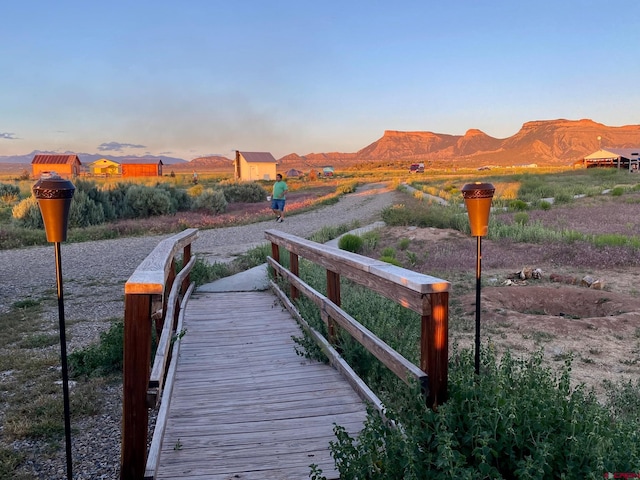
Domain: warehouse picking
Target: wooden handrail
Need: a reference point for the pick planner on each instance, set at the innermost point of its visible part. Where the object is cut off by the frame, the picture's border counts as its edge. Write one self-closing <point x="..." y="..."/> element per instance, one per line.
<point x="424" y="294"/>
<point x="163" y="351"/>
<point x="147" y="292"/>
<point x="153" y="458"/>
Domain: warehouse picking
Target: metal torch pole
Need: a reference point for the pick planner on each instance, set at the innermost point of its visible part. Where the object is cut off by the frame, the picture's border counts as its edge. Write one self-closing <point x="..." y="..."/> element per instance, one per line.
<point x="63" y="358"/>
<point x="478" y="260"/>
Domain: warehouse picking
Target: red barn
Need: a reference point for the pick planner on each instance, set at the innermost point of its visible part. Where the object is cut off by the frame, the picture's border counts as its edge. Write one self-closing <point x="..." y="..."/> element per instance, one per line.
<point x="141" y="167"/>
<point x="64" y="165"/>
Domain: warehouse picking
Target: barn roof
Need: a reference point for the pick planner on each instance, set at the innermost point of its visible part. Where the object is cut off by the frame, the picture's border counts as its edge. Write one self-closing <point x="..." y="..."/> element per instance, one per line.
<point x="141" y="161"/>
<point x="627" y="153"/>
<point x="104" y="160"/>
<point x="258" y="157"/>
<point x="55" y="159"/>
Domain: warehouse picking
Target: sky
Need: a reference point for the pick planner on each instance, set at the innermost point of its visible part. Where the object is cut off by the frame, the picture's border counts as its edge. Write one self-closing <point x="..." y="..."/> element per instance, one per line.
<point x="189" y="78"/>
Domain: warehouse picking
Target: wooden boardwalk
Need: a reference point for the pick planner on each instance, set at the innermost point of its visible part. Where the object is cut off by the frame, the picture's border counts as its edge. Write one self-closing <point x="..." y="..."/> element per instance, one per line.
<point x="244" y="405"/>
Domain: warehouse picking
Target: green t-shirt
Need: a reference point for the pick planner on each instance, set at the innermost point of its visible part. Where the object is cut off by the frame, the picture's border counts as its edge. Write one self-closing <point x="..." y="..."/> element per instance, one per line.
<point x="278" y="190"/>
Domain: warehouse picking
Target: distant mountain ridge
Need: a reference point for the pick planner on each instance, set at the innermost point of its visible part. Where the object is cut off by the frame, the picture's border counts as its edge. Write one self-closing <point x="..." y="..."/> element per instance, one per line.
<point x="542" y="142"/>
<point x="85" y="158"/>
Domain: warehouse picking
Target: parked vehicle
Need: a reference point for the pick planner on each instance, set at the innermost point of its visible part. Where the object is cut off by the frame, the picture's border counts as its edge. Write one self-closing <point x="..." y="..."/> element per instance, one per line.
<point x="416" y="168"/>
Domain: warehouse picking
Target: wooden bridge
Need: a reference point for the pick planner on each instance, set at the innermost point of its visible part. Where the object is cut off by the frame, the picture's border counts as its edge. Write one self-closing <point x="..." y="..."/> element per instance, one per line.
<point x="233" y="399"/>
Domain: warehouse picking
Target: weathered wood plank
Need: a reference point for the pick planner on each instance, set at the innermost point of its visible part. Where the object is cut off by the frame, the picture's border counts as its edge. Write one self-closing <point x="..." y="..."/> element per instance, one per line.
<point x="244" y="404"/>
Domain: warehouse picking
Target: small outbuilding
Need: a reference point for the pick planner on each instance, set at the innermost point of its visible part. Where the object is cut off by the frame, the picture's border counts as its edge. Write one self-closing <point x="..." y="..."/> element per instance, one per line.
<point x="64" y="165"/>
<point x="252" y="166"/>
<point x="626" y="158"/>
<point x="293" y="173"/>
<point x="105" y="168"/>
<point x="141" y="167"/>
<point x="328" y="171"/>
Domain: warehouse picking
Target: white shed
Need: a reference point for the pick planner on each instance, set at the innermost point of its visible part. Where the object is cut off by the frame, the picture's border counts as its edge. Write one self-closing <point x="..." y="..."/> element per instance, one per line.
<point x="252" y="166"/>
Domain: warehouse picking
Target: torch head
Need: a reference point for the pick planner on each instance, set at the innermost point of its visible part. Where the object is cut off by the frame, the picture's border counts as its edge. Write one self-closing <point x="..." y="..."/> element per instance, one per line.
<point x="54" y="196"/>
<point x="477" y="198"/>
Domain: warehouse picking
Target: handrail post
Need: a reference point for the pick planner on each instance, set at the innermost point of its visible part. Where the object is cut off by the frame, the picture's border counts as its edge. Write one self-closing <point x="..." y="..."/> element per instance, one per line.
<point x="186" y="256"/>
<point x="169" y="284"/>
<point x="434" y="347"/>
<point x="136" y="368"/>
<point x="275" y="254"/>
<point x="333" y="294"/>
<point x="295" y="269"/>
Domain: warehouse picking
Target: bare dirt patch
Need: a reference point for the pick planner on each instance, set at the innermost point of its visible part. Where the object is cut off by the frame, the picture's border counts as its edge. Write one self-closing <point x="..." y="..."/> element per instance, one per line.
<point x="599" y="329"/>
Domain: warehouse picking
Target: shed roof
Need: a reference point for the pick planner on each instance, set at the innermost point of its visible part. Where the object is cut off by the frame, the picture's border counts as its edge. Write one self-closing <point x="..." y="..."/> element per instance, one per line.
<point x="258" y="157"/>
<point x="55" y="159"/>
<point x="628" y="153"/>
<point x="104" y="160"/>
<point x="141" y="161"/>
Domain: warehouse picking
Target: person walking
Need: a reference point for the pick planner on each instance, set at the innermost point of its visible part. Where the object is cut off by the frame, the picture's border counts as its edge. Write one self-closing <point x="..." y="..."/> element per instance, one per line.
<point x="278" y="198"/>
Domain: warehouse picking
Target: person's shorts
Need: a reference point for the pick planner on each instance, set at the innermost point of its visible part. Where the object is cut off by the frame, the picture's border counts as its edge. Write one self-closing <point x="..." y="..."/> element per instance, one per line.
<point x="277" y="204"/>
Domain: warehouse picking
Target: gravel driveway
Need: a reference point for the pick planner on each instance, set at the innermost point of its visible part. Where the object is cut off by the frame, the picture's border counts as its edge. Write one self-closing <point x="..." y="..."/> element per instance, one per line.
<point x="94" y="276"/>
<point x="94" y="273"/>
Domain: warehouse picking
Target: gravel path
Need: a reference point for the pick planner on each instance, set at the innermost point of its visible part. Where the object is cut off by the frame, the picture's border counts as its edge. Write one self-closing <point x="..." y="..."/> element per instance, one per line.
<point x="94" y="275"/>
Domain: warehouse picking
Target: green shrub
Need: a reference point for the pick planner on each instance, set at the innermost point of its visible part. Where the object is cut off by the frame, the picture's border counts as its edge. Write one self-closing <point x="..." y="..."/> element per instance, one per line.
<point x="143" y="202"/>
<point x="210" y="201"/>
<point x="404" y="243"/>
<point x="180" y="199"/>
<point x="245" y="192"/>
<point x="563" y="198"/>
<point x="116" y="197"/>
<point x="84" y="211"/>
<point x="5" y="213"/>
<point x="533" y="188"/>
<point x="617" y="191"/>
<point x="195" y="191"/>
<point x="102" y="359"/>
<point x="98" y="196"/>
<point x="521" y="218"/>
<point x="204" y="272"/>
<point x="370" y="240"/>
<point x="349" y="187"/>
<point x="254" y="257"/>
<point x="433" y="215"/>
<point x="9" y="193"/>
<point x="330" y="232"/>
<point x="388" y="252"/>
<point x="514" y="420"/>
<point x="544" y="205"/>
<point x="350" y="243"/>
<point x="623" y="399"/>
<point x="518" y="205"/>
<point x="27" y="214"/>
<point x="391" y="260"/>
<point x="412" y="257"/>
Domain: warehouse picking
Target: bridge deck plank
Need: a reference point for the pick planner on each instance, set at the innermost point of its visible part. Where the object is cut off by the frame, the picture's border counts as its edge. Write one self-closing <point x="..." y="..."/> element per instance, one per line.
<point x="244" y="404"/>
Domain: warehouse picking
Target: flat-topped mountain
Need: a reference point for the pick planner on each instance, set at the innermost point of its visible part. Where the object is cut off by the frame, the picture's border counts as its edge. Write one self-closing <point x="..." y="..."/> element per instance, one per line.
<point x="544" y="143"/>
<point x="548" y="142"/>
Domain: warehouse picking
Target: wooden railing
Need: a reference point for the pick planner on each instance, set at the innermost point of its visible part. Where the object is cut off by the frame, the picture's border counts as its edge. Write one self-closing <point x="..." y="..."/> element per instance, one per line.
<point x="154" y="297"/>
<point x="426" y="295"/>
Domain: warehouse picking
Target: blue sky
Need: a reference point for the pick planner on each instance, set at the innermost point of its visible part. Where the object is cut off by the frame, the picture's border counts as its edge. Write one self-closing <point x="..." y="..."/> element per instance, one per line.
<point x="197" y="77"/>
